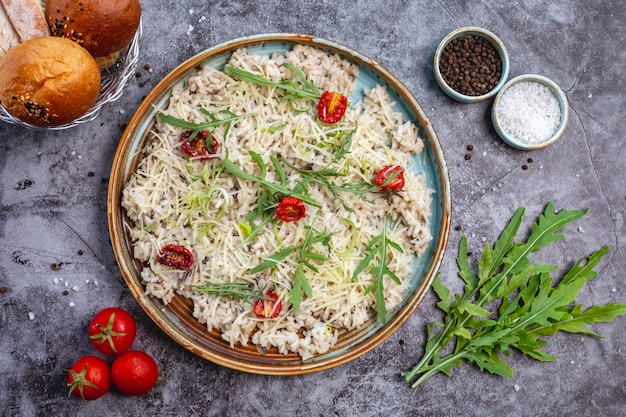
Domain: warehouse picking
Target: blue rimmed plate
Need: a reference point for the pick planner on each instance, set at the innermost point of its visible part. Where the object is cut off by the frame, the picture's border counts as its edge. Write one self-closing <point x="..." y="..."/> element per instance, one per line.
<point x="176" y="318"/>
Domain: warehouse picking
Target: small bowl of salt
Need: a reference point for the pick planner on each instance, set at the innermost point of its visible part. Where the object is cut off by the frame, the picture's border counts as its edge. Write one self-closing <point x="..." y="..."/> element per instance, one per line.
<point x="530" y="112"/>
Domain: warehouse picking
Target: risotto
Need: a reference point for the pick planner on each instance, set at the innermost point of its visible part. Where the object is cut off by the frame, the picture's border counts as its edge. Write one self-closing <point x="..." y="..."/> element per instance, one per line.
<point x="346" y="261"/>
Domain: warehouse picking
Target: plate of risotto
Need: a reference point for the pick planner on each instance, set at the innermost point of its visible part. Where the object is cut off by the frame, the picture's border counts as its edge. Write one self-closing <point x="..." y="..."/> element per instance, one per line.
<point x="279" y="204"/>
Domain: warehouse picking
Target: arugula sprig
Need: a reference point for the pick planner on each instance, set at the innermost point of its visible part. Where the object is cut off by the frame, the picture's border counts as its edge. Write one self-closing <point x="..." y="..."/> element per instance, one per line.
<point x="322" y="176"/>
<point x="306" y="255"/>
<point x="268" y="195"/>
<point x="232" y="290"/>
<point x="510" y="302"/>
<point x="293" y="91"/>
<point x="212" y="123"/>
<point x="377" y="253"/>
<point x="299" y="191"/>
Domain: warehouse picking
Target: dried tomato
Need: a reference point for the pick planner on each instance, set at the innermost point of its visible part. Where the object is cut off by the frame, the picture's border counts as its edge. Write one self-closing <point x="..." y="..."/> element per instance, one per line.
<point x="290" y="209"/>
<point x="268" y="308"/>
<point x="176" y="256"/>
<point x="332" y="107"/>
<point x="390" y="177"/>
<point x="198" y="147"/>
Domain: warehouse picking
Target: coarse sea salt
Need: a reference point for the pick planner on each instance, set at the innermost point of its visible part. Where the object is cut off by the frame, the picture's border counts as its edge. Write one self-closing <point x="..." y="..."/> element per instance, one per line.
<point x="529" y="112"/>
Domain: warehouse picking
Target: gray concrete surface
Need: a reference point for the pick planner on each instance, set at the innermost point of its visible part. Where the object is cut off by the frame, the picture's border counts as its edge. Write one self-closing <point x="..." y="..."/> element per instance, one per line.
<point x="53" y="194"/>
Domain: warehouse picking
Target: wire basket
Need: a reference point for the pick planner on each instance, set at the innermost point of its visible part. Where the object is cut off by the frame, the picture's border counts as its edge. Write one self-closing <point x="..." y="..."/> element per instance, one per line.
<point x="113" y="81"/>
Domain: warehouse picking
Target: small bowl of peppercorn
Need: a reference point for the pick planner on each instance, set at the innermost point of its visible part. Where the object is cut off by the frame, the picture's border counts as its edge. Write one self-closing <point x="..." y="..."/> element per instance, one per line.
<point x="471" y="64"/>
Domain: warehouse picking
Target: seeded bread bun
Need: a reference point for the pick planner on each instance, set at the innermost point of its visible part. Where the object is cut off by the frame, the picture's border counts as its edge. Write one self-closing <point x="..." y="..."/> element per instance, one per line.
<point x="100" y="26"/>
<point x="48" y="81"/>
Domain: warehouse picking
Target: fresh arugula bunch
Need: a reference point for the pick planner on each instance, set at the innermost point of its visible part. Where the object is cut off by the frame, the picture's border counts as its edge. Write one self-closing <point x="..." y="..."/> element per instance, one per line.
<point x="510" y="302"/>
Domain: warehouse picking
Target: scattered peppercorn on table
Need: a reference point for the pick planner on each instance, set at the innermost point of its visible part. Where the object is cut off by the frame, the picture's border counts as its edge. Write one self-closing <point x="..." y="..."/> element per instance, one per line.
<point x="58" y="269"/>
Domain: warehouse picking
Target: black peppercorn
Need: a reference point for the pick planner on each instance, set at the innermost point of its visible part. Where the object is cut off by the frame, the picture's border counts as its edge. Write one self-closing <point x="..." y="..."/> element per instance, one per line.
<point x="470" y="65"/>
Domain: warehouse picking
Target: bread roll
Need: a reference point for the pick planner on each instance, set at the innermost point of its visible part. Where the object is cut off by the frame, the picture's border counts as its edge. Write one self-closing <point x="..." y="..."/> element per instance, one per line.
<point x="108" y="61"/>
<point x="48" y="81"/>
<point x="100" y="26"/>
<point x="8" y="35"/>
<point x="27" y="18"/>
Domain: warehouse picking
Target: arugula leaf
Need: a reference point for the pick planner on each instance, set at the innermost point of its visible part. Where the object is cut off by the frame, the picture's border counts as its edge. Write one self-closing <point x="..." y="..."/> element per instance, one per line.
<point x="213" y="122"/>
<point x="300" y="283"/>
<point x="281" y="188"/>
<point x="308" y="92"/>
<point x="230" y="290"/>
<point x="510" y="302"/>
<point x="377" y="250"/>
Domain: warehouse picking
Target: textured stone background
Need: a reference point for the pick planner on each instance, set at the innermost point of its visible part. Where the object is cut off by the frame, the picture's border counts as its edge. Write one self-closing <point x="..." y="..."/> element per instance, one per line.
<point x="51" y="208"/>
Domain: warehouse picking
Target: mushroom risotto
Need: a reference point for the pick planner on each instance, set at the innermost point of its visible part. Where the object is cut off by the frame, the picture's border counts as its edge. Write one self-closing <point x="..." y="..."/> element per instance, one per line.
<point x="283" y="229"/>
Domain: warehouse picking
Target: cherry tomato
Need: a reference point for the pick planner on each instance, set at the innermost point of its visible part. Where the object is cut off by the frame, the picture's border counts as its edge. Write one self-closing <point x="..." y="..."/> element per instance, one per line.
<point x="134" y="372"/>
<point x="89" y="378"/>
<point x="390" y="178"/>
<point x="198" y="146"/>
<point x="268" y="308"/>
<point x="331" y="107"/>
<point x="112" y="330"/>
<point x="176" y="256"/>
<point x="290" y="209"/>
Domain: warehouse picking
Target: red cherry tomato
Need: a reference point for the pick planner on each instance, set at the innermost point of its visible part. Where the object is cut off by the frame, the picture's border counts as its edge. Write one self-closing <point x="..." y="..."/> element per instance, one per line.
<point x="89" y="378"/>
<point x="112" y="330"/>
<point x="176" y="256"/>
<point x="290" y="209"/>
<point x="198" y="146"/>
<point x="134" y="373"/>
<point x="331" y="107"/>
<point x="268" y="308"/>
<point x="390" y="178"/>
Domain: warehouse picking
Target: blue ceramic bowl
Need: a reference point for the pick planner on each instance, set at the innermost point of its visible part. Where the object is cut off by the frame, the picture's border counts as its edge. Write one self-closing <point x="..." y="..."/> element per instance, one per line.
<point x="558" y="94"/>
<point x="471" y="31"/>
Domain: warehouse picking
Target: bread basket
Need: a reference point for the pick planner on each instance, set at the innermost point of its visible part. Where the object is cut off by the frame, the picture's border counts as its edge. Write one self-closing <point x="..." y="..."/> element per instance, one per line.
<point x="114" y="79"/>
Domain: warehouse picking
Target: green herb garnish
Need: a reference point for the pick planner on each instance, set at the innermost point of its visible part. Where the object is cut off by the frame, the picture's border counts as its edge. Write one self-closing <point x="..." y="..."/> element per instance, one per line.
<point x="282" y="189"/>
<point x="308" y="92"/>
<point x="267" y="196"/>
<point x="151" y="227"/>
<point x="210" y="125"/>
<point x="510" y="302"/>
<point x="306" y="256"/>
<point x="321" y="176"/>
<point x="377" y="252"/>
<point x="238" y="291"/>
<point x="271" y="129"/>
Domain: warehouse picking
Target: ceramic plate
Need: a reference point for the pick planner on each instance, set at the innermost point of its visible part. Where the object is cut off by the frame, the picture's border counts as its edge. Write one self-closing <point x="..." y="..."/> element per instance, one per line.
<point x="176" y="318"/>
